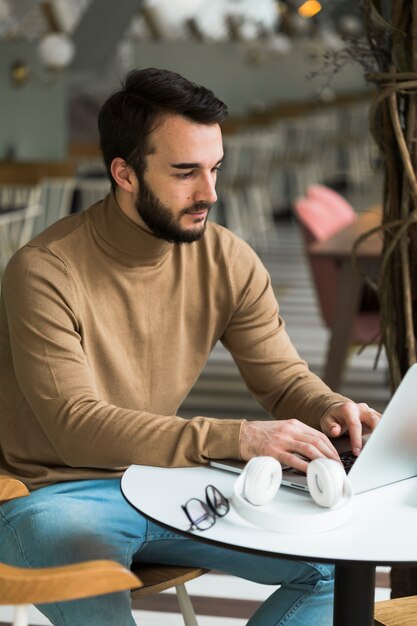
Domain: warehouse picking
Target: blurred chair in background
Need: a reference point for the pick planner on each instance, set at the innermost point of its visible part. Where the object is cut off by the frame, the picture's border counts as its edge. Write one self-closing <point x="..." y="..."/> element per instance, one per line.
<point x="16" y="229"/>
<point x="245" y="203"/>
<point x="55" y="195"/>
<point x="89" y="191"/>
<point x="26" y="210"/>
<point x="321" y="214"/>
<point x="15" y="196"/>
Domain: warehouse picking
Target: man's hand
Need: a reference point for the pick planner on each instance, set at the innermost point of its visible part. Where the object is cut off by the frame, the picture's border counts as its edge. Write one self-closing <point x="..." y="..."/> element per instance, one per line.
<point x="355" y="419"/>
<point x="289" y="441"/>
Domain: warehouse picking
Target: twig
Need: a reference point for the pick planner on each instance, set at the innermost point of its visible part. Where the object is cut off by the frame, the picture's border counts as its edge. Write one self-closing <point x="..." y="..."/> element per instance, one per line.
<point x="405" y="155"/>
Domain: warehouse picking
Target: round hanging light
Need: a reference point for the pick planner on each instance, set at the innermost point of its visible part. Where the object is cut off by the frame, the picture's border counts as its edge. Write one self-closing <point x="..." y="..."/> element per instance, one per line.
<point x="56" y="51"/>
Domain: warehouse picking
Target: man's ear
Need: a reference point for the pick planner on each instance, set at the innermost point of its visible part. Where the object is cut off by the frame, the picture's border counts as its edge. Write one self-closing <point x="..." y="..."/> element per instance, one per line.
<point x="123" y="175"/>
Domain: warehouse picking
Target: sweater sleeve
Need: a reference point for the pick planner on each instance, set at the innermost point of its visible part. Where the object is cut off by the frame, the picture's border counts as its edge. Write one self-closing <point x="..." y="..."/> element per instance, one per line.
<point x="268" y="361"/>
<point x="54" y="376"/>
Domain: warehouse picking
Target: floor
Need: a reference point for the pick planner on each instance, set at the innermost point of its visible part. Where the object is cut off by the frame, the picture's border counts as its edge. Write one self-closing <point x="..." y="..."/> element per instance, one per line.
<point x="220" y="392"/>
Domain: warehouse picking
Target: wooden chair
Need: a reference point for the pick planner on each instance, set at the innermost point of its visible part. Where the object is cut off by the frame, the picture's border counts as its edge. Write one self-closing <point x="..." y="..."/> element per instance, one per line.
<point x="157" y="578"/>
<point x="149" y="579"/>
<point x="398" y="612"/>
<point x="22" y="586"/>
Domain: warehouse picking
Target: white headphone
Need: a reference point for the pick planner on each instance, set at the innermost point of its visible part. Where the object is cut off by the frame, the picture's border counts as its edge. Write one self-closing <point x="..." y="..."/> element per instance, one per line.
<point x="254" y="497"/>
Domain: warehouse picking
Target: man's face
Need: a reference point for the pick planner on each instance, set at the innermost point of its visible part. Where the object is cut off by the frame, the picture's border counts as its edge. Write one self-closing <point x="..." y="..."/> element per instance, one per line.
<point x="177" y="189"/>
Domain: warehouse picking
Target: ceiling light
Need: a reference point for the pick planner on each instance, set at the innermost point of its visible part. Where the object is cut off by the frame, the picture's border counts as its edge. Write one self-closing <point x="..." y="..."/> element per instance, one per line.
<point x="309" y="8"/>
<point x="56" y="51"/>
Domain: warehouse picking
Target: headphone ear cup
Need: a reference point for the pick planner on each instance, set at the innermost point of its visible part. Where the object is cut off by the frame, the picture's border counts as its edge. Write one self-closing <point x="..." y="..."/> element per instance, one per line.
<point x="326" y="479"/>
<point x="261" y="479"/>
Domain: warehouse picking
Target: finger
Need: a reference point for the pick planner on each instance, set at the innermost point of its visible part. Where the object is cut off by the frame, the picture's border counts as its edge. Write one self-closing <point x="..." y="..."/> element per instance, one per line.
<point x="355" y="433"/>
<point x="369" y="417"/>
<point x="324" y="446"/>
<point x="332" y="427"/>
<point x="292" y="460"/>
<point x="312" y="435"/>
<point x="315" y="449"/>
<point x="354" y="426"/>
<point x="347" y="415"/>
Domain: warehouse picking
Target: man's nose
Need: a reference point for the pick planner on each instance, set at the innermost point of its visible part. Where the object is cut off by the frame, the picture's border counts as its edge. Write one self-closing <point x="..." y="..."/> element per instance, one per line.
<point x="206" y="191"/>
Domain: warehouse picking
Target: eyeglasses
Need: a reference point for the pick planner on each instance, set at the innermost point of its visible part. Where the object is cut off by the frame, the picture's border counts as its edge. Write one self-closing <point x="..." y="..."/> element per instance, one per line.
<point x="202" y="515"/>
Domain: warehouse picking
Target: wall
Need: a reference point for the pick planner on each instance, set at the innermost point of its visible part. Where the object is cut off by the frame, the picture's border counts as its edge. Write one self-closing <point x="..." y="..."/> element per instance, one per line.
<point x="33" y="125"/>
<point x="33" y="118"/>
<point x="226" y="69"/>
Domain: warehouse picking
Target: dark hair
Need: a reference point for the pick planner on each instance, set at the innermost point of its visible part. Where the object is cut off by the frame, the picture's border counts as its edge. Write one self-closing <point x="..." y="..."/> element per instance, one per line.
<point x="129" y="115"/>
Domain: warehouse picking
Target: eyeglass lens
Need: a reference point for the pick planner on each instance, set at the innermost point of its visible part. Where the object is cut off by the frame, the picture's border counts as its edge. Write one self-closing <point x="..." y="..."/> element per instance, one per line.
<point x="216" y="500"/>
<point x="202" y="515"/>
<point x="199" y="514"/>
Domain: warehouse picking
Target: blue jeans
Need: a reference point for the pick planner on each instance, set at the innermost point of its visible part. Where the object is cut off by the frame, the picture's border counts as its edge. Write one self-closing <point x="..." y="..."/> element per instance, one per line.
<point x="90" y="519"/>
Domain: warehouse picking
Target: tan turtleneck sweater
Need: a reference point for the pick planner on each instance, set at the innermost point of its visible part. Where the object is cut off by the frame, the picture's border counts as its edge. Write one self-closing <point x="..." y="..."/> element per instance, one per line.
<point x="104" y="329"/>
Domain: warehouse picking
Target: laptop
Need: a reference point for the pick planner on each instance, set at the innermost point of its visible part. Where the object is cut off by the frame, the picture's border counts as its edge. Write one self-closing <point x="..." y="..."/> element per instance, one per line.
<point x="389" y="454"/>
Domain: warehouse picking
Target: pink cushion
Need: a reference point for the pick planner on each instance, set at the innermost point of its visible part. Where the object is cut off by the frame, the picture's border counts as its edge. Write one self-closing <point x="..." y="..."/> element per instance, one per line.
<point x="332" y="199"/>
<point x="319" y="220"/>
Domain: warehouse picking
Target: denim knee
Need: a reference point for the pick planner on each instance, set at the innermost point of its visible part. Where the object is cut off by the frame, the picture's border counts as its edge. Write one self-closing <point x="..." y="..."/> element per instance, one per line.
<point x="68" y="523"/>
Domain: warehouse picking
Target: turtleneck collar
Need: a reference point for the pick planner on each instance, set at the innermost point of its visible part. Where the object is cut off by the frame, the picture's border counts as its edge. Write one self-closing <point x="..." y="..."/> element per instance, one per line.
<point x="128" y="240"/>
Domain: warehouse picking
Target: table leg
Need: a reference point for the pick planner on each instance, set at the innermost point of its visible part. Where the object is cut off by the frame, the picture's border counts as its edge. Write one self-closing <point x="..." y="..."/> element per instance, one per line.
<point x="347" y="306"/>
<point x="354" y="595"/>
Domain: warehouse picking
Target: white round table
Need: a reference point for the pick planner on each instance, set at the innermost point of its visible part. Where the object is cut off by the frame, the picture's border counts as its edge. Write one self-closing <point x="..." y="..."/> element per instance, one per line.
<point x="382" y="529"/>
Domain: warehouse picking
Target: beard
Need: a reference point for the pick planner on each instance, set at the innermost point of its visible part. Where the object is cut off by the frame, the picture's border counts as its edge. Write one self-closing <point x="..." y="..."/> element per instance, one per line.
<point x="161" y="220"/>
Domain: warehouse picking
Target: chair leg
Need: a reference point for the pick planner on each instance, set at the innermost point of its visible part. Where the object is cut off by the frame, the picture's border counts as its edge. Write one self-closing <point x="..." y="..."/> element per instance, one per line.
<point x="21" y="615"/>
<point x="186" y="606"/>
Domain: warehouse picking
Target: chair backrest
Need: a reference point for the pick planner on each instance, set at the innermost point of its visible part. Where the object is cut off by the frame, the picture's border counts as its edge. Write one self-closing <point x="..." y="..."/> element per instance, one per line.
<point x="15" y="196"/>
<point x="332" y="198"/>
<point x="322" y="214"/>
<point x="16" y="229"/>
<point x="55" y="195"/>
<point x="91" y="190"/>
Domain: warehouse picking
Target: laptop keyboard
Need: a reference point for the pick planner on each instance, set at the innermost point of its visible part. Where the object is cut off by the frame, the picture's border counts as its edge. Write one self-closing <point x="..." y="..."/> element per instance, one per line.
<point x="348" y="459"/>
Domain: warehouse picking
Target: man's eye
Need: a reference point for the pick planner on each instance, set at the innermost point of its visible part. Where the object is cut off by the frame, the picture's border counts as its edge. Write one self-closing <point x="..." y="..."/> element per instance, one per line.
<point x="218" y="168"/>
<point x="185" y="175"/>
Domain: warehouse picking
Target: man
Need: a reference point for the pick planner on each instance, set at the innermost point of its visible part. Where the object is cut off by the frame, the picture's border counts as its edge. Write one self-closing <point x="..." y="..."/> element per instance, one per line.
<point x="107" y="319"/>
